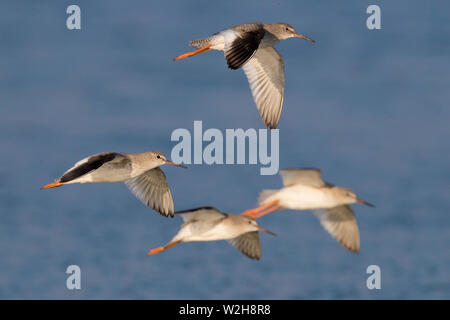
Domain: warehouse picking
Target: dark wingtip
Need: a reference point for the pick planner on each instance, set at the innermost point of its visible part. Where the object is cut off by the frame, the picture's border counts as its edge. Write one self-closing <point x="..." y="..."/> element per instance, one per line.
<point x="197" y="209"/>
<point x="232" y="67"/>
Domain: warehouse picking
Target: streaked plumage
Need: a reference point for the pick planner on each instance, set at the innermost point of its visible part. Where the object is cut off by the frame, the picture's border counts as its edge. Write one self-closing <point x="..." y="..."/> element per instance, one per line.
<point x="250" y="46"/>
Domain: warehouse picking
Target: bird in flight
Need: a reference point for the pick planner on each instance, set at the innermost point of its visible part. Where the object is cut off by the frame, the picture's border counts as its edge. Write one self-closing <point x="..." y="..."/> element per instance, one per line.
<point x="250" y="46"/>
<point x="209" y="224"/>
<point x="304" y="189"/>
<point x="139" y="171"/>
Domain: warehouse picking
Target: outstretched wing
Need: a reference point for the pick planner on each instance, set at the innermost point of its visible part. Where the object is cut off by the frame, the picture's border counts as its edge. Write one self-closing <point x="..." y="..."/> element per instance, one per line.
<point x="248" y="244"/>
<point x="265" y="74"/>
<point x="152" y="189"/>
<point x="88" y="165"/>
<point x="241" y="45"/>
<point x="203" y="213"/>
<point x="308" y="177"/>
<point x="340" y="222"/>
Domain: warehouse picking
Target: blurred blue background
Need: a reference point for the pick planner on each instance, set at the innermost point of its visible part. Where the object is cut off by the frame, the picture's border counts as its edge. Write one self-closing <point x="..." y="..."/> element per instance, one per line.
<point x="370" y="108"/>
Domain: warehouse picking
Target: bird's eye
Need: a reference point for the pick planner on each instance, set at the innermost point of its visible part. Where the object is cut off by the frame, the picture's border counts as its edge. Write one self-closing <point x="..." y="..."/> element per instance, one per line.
<point x="287" y="29"/>
<point x="158" y="156"/>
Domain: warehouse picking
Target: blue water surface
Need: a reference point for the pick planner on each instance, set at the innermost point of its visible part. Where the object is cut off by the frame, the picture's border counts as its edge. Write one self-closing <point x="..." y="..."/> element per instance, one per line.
<point x="368" y="107"/>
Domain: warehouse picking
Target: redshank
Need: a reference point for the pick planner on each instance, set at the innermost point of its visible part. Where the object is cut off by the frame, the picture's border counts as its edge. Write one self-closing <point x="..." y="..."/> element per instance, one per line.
<point x="209" y="224"/>
<point x="139" y="171"/>
<point x="250" y="46"/>
<point x="304" y="189"/>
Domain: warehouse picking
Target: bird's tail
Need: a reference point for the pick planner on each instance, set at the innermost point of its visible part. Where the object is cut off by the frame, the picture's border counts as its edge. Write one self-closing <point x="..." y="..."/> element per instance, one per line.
<point x="199" y="43"/>
<point x="266" y="196"/>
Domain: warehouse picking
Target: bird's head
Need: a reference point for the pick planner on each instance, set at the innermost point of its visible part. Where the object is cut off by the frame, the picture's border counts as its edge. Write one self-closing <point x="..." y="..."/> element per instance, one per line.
<point x="285" y="31"/>
<point x="348" y="196"/>
<point x="156" y="159"/>
<point x="251" y="225"/>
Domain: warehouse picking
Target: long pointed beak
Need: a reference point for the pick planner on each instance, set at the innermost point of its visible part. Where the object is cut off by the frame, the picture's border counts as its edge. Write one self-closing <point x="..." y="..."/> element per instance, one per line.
<point x="175" y="164"/>
<point x="298" y="35"/>
<point x="266" y="231"/>
<point x="365" y="202"/>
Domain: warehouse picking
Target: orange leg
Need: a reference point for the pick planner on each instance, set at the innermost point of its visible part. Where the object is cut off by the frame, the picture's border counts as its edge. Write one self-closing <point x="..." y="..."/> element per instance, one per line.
<point x="252" y="212"/>
<point x="161" y="249"/>
<point x="258" y="215"/>
<point x="193" y="53"/>
<point x="52" y="185"/>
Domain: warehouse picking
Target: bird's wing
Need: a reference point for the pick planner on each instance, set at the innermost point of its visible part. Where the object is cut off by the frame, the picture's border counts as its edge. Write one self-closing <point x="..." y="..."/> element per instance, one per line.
<point x="265" y="74"/>
<point x="89" y="164"/>
<point x="308" y="177"/>
<point x="152" y="189"/>
<point x="198" y="221"/>
<point x="248" y="244"/>
<point x="241" y="45"/>
<point x="340" y="222"/>
<point x="201" y="213"/>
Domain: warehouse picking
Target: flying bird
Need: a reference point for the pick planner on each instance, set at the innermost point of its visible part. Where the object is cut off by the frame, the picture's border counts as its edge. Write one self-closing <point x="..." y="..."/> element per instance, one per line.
<point x="251" y="46"/>
<point x="304" y="189"/>
<point x="139" y="171"/>
<point x="209" y="224"/>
